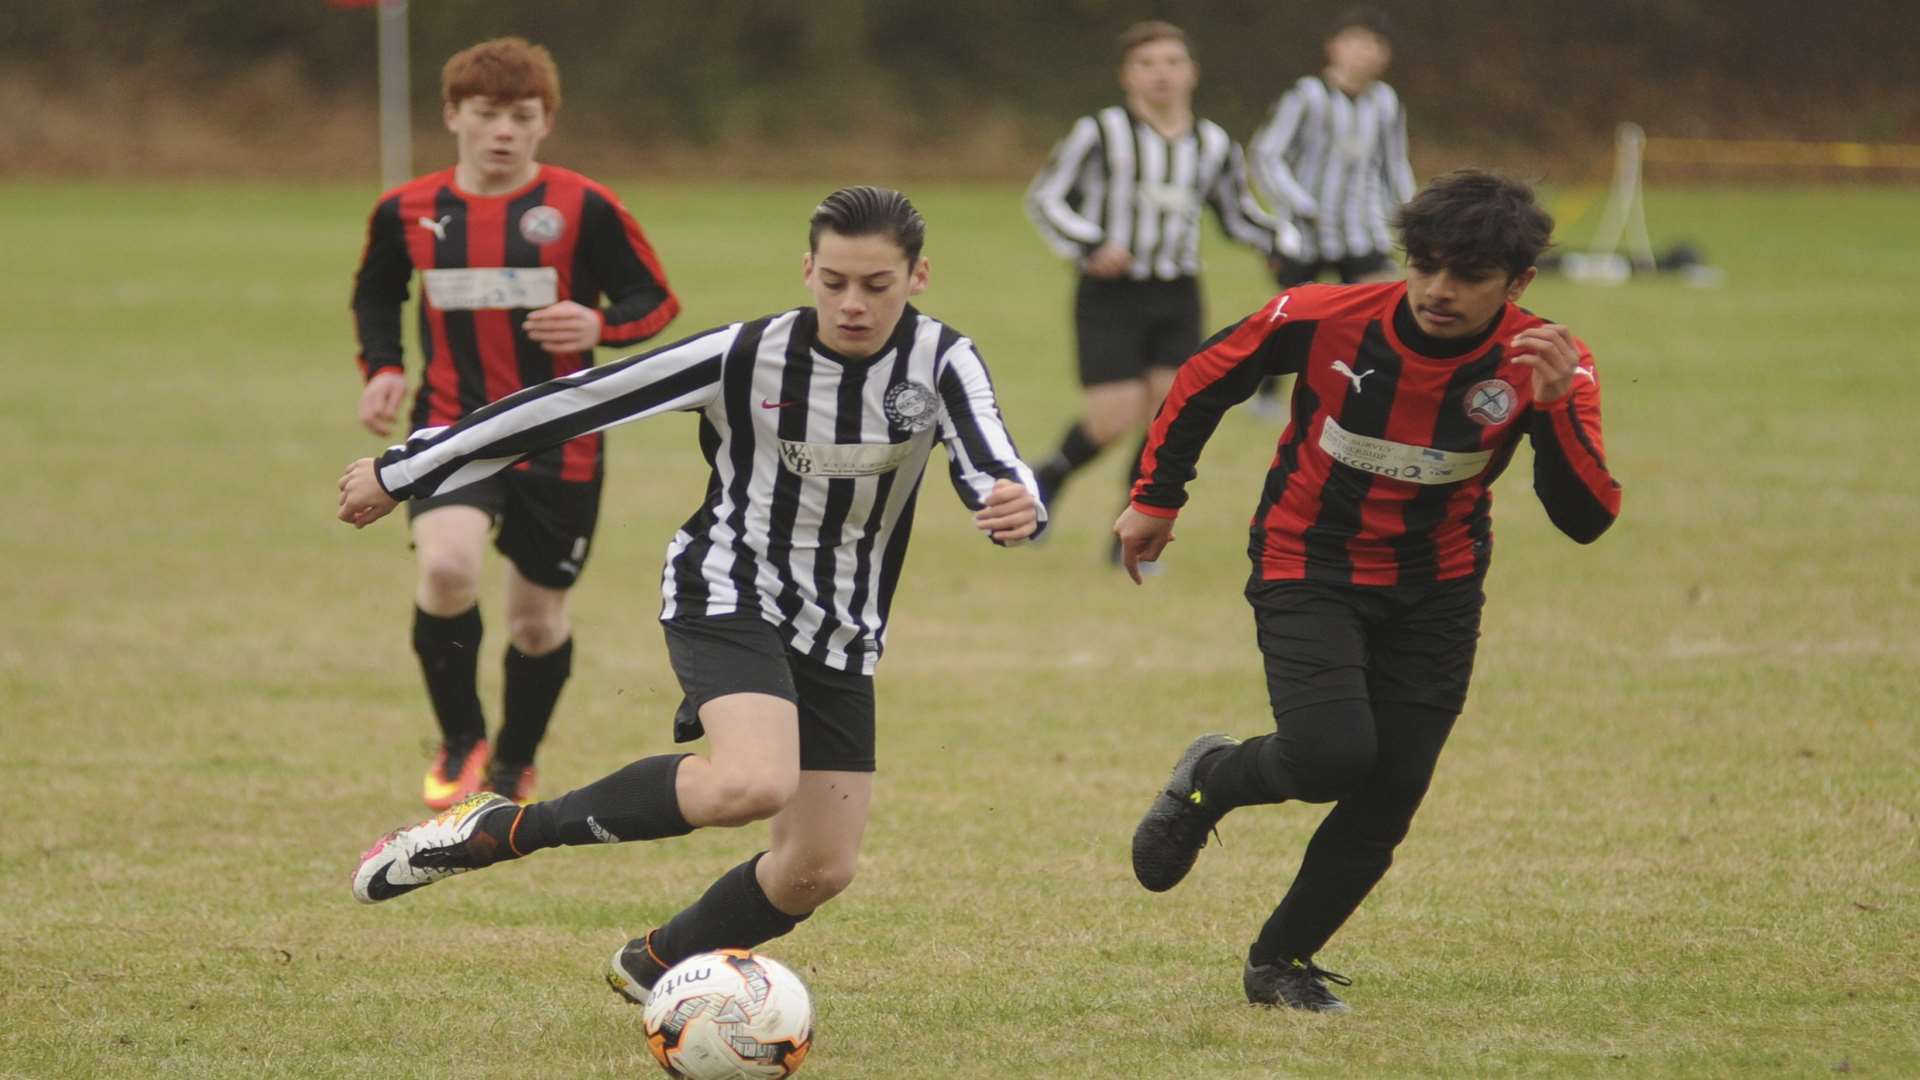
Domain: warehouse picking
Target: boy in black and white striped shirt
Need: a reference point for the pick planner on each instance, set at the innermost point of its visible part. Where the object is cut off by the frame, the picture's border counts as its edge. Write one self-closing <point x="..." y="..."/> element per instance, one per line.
<point x="1122" y="197"/>
<point x="1333" y="156"/>
<point x="817" y="423"/>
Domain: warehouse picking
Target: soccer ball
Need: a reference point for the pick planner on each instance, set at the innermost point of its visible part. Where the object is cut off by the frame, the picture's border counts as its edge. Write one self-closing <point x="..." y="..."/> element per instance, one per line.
<point x="730" y="1013"/>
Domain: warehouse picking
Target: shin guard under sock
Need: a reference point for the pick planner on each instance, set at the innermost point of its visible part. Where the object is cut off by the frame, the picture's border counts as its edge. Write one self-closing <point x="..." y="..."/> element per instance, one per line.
<point x="636" y="803"/>
<point x="733" y="914"/>
<point x="532" y="689"/>
<point x="449" y="651"/>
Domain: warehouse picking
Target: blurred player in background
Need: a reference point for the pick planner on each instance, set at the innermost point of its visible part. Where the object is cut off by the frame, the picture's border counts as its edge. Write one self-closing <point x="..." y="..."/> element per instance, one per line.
<point x="1371" y="540"/>
<point x="514" y="257"/>
<point x="1122" y="197"/>
<point x="1333" y="157"/>
<point x="817" y="423"/>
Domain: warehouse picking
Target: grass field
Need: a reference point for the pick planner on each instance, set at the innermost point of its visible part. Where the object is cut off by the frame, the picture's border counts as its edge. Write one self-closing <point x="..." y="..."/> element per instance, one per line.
<point x="1675" y="833"/>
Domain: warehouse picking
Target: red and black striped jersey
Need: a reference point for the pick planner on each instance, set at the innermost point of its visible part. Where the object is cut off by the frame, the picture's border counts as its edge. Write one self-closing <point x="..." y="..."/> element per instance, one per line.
<point x="485" y="261"/>
<point x="1383" y="474"/>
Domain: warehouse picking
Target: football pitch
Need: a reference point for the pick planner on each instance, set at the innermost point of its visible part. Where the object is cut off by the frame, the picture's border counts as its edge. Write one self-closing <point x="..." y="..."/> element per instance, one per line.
<point x="1675" y="832"/>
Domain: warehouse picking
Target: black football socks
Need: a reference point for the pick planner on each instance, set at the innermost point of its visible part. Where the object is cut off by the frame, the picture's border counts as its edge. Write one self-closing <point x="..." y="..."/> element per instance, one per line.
<point x="638" y="802"/>
<point x="1076" y="449"/>
<point x="533" y="686"/>
<point x="449" y="651"/>
<point x="734" y="913"/>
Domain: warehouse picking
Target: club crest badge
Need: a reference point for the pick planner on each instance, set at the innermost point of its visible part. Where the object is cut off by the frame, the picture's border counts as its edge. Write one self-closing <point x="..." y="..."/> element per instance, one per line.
<point x="1490" y="402"/>
<point x="911" y="406"/>
<point x="542" y="225"/>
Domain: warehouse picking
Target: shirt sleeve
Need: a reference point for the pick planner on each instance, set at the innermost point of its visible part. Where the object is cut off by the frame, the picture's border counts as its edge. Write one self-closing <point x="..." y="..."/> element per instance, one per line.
<point x="1072" y="175"/>
<point x="641" y="303"/>
<point x="1570" y="473"/>
<point x="685" y="375"/>
<point x="379" y="288"/>
<point x="1225" y="372"/>
<point x="1240" y="214"/>
<point x="1396" y="172"/>
<point x="980" y="452"/>
<point x="1270" y="148"/>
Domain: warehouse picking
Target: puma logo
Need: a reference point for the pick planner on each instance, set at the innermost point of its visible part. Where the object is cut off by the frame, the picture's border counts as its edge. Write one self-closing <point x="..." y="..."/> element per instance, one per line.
<point x="1279" y="310"/>
<point x="1587" y="371"/>
<point x="1341" y="367"/>
<point x="437" y="228"/>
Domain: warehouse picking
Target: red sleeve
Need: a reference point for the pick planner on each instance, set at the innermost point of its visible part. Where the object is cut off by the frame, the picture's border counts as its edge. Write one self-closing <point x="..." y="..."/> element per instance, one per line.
<point x="1570" y="472"/>
<point x="641" y="303"/>
<point x="1225" y="372"/>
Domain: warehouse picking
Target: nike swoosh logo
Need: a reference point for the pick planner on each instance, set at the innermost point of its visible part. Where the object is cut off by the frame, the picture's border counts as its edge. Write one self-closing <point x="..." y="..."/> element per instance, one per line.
<point x="768" y="403"/>
<point x="379" y="888"/>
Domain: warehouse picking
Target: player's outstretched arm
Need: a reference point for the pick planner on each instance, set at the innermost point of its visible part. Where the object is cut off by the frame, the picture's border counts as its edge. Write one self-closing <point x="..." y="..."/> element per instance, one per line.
<point x="362" y="500"/>
<point x="1142" y="538"/>
<point x="1011" y="513"/>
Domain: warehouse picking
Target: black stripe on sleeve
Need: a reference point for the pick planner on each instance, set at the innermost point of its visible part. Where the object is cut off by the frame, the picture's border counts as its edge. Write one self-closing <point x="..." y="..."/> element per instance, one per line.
<point x="1570" y="505"/>
<point x="380" y="288"/>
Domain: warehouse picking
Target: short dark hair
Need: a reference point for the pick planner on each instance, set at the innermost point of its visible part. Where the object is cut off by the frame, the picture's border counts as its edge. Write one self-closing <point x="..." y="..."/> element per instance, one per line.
<point x="1150" y="30"/>
<point x="1370" y="19"/>
<point x="866" y="211"/>
<point x="1474" y="221"/>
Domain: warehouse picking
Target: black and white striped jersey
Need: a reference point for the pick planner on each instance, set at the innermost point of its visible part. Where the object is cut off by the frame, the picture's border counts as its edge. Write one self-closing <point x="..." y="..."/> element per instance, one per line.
<point x="1114" y="179"/>
<point x="816" y="458"/>
<point x="1337" y="164"/>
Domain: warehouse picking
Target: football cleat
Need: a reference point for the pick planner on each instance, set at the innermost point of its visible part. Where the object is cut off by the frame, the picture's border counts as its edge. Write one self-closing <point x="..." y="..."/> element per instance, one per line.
<point x="634" y="969"/>
<point x="1295" y="985"/>
<point x="416" y="856"/>
<point x="513" y="781"/>
<point x="455" y="774"/>
<point x="1174" y="829"/>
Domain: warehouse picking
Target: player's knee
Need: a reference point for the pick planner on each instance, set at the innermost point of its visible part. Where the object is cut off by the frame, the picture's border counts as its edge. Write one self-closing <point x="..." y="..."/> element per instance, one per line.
<point x="537" y="633"/>
<point x="449" y="582"/>
<point x="814" y="882"/>
<point x="746" y="795"/>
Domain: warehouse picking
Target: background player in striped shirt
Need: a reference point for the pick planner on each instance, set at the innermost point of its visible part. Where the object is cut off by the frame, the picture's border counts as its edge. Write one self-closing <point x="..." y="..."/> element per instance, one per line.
<point x="1371" y="540"/>
<point x="1333" y="157"/>
<point x="1122" y="197"/>
<point x="514" y="256"/>
<point x="817" y="423"/>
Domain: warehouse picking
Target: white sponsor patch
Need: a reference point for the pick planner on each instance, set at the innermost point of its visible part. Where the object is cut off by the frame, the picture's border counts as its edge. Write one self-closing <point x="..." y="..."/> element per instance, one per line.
<point x="1400" y="461"/>
<point x="844" y="459"/>
<point x="492" y="288"/>
<point x="1168" y="198"/>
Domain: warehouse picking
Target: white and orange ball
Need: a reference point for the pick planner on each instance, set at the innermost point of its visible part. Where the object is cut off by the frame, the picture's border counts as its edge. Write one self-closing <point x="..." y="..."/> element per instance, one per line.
<point x="730" y="1013"/>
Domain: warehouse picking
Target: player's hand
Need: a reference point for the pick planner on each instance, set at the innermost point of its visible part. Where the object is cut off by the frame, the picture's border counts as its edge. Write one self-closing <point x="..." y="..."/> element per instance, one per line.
<point x="564" y="327"/>
<point x="1109" y="261"/>
<point x="362" y="500"/>
<point x="1549" y="350"/>
<point x="1142" y="538"/>
<point x="380" y="401"/>
<point x="1011" y="512"/>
